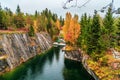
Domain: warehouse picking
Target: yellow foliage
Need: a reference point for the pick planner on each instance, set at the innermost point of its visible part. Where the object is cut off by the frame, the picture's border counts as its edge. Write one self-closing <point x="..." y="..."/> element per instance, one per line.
<point x="35" y="25"/>
<point x="71" y="29"/>
<point x="58" y="24"/>
<point x="104" y="72"/>
<point x="68" y="48"/>
<point x="66" y="25"/>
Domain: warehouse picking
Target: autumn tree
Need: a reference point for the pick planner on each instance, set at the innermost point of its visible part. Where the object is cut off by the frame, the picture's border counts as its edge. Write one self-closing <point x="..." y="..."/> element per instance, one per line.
<point x="3" y="19"/>
<point x="55" y="27"/>
<point x="19" y="20"/>
<point x="71" y="29"/>
<point x="47" y="21"/>
<point x="58" y="24"/>
<point x="66" y="26"/>
<point x="9" y="17"/>
<point x="6" y="18"/>
<point x="42" y="23"/>
<point x="74" y="29"/>
<point x="28" y="20"/>
<point x="35" y="25"/>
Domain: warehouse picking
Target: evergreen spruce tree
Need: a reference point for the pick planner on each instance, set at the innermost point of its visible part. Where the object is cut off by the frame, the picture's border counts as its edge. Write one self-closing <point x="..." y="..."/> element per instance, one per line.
<point x="31" y="31"/>
<point x="94" y="32"/>
<point x="118" y="33"/>
<point x="109" y="29"/>
<point x="18" y="10"/>
<point x="0" y="7"/>
<point x="83" y="38"/>
<point x="36" y="13"/>
<point x="61" y="21"/>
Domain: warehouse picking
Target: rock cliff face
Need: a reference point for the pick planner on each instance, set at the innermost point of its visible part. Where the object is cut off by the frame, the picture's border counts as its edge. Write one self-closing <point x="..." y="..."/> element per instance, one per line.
<point x="18" y="48"/>
<point x="74" y="55"/>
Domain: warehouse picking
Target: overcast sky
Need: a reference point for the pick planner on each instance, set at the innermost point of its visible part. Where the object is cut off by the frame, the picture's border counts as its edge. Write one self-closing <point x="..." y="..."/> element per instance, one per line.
<point x="29" y="6"/>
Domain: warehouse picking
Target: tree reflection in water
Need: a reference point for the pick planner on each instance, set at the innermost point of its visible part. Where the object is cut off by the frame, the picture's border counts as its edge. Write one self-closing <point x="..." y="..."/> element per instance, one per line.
<point x="75" y="71"/>
<point x="48" y="66"/>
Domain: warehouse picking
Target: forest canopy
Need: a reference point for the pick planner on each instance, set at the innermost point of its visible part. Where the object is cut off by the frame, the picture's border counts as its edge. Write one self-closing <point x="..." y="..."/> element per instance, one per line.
<point x="93" y="34"/>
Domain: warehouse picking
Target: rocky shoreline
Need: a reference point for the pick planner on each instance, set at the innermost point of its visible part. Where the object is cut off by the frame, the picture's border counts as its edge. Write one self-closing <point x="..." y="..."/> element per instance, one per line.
<point x="17" y="48"/>
<point x="77" y="55"/>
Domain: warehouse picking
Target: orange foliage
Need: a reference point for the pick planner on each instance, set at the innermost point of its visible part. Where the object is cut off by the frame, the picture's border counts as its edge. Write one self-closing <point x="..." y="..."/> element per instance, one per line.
<point x="71" y="28"/>
<point x="58" y="24"/>
<point x="66" y="25"/>
<point x="35" y="25"/>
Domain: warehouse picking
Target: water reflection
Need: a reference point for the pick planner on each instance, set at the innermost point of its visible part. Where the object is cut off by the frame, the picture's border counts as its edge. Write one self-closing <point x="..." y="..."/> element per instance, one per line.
<point x="57" y="53"/>
<point x="49" y="66"/>
<point x="75" y="70"/>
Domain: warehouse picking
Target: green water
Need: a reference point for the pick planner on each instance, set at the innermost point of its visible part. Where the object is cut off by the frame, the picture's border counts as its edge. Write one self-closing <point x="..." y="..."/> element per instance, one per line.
<point x="48" y="66"/>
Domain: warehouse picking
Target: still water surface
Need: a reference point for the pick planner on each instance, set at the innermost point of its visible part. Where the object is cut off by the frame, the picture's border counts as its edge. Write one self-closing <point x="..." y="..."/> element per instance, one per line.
<point x="49" y="66"/>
